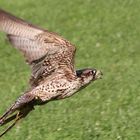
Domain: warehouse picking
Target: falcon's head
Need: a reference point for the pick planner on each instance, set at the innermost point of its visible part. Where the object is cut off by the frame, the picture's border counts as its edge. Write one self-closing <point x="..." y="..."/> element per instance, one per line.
<point x="88" y="75"/>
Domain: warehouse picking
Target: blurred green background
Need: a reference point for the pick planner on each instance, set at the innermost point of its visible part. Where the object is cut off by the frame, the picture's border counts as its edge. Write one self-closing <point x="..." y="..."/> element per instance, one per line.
<point x="107" y="36"/>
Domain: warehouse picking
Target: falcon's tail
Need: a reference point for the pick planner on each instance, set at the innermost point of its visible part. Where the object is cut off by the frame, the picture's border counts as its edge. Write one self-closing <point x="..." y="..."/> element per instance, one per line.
<point x="5" y="119"/>
<point x="16" y="117"/>
<point x="23" y="106"/>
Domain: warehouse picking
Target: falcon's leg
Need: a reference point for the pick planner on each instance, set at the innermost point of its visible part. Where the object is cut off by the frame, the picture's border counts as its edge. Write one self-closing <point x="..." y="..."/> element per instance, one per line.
<point x="26" y="99"/>
<point x="7" y="120"/>
<point x="6" y="114"/>
<point x="21" y="114"/>
<point x="18" y="117"/>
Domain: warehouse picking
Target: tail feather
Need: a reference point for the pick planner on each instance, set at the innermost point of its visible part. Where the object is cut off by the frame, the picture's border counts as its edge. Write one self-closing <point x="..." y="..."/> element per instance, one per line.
<point x="21" y="103"/>
<point x="8" y="119"/>
<point x="10" y="111"/>
<point x="21" y="114"/>
<point x="23" y="106"/>
<point x="12" y="125"/>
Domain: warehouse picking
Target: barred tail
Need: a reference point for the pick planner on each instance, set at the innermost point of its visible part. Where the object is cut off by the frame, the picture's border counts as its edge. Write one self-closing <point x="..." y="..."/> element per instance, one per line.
<point x="23" y="106"/>
<point x="10" y="111"/>
<point x="23" y="112"/>
<point x="9" y="127"/>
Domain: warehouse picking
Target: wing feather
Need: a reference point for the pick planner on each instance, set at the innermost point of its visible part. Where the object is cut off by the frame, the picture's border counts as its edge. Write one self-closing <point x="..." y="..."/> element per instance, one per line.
<point x="45" y="51"/>
<point x="16" y="26"/>
<point x="31" y="49"/>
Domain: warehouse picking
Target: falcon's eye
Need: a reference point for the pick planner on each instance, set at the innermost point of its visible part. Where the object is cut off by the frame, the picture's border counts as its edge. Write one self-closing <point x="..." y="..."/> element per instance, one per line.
<point x="89" y="72"/>
<point x="93" y="72"/>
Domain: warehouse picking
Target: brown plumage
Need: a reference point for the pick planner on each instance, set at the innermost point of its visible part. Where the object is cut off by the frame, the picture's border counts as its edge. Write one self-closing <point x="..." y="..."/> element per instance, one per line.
<point x="51" y="59"/>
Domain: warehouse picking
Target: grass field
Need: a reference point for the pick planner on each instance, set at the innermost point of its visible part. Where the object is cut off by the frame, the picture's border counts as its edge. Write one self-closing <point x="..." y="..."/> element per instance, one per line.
<point x="107" y="35"/>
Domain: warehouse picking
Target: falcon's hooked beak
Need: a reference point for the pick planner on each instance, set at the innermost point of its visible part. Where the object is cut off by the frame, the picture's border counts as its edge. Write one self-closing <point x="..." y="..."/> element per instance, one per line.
<point x="97" y="74"/>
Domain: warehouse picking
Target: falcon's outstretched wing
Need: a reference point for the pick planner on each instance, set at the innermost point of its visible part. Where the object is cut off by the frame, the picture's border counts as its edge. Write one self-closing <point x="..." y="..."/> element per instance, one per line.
<point x="45" y="51"/>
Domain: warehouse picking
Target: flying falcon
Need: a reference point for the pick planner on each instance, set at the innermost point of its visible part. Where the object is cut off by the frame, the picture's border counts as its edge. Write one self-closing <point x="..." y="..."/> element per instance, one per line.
<point x="51" y="58"/>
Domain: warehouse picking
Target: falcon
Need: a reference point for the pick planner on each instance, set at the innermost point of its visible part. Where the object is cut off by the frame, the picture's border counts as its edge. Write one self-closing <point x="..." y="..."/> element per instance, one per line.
<point x="51" y="58"/>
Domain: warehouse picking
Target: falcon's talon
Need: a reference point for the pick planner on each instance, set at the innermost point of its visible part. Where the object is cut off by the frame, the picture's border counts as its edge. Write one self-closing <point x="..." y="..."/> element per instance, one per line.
<point x="51" y="58"/>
